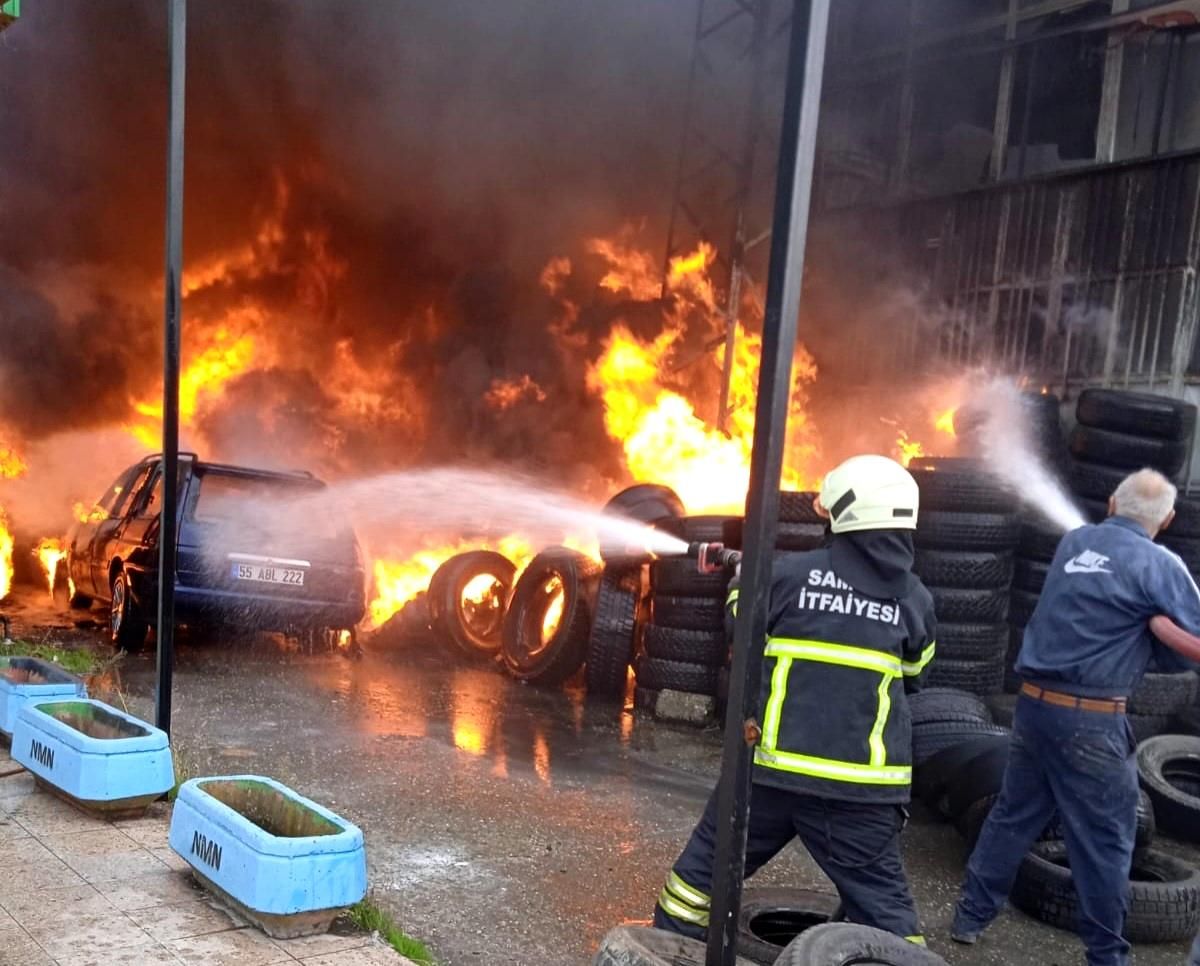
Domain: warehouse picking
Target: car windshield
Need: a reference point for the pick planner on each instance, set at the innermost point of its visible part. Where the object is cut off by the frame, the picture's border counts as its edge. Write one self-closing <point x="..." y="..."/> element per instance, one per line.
<point x="272" y="503"/>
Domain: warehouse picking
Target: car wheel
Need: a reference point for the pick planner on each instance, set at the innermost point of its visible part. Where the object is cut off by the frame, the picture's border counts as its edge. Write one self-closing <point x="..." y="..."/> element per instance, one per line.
<point x="126" y="626"/>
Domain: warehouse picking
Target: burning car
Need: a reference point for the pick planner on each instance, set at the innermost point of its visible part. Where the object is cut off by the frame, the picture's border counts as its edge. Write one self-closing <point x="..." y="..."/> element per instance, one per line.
<point x="247" y="554"/>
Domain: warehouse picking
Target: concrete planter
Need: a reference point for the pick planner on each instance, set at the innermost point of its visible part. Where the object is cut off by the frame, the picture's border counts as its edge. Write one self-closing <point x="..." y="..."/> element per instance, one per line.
<point x="24" y="679"/>
<point x="280" y="860"/>
<point x="93" y="755"/>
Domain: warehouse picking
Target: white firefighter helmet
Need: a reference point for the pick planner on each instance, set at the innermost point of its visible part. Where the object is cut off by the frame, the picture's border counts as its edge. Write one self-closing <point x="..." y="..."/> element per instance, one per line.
<point x="870" y="493"/>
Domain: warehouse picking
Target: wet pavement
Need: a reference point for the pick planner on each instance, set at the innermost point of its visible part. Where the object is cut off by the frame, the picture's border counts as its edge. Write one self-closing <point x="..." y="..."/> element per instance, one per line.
<point x="506" y="823"/>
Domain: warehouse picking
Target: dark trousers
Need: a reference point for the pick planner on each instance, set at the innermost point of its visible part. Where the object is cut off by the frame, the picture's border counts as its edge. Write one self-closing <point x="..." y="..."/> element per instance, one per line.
<point x="1082" y="763"/>
<point x="857" y="845"/>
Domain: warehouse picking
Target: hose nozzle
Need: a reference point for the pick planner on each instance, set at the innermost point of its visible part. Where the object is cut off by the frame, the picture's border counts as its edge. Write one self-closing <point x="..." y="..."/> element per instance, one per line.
<point x="713" y="557"/>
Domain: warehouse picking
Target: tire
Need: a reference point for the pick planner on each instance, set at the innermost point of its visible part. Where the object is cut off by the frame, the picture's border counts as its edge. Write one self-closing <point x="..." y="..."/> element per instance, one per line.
<point x="614" y="631"/>
<point x="1030" y="575"/>
<point x="527" y="654"/>
<point x="978" y="677"/>
<point x="678" y="577"/>
<point x="648" y="503"/>
<point x="1186" y="549"/>
<point x="1146" y="726"/>
<point x="126" y="626"/>
<point x="641" y="946"/>
<point x="1002" y="708"/>
<point x="933" y="705"/>
<point x="963" y="485"/>
<point x="797" y="507"/>
<point x="1142" y="414"/>
<point x="688" y="613"/>
<point x="1126" y="451"/>
<point x="1186" y="723"/>
<point x="980" y="777"/>
<point x="771" y="918"/>
<point x="959" y="606"/>
<point x="1164" y="694"/>
<point x="1169" y="771"/>
<point x="1187" y="518"/>
<point x="710" y="529"/>
<point x="1094" y="511"/>
<point x="844" y="943"/>
<point x="1038" y="540"/>
<point x="971" y="642"/>
<point x="1164" y="894"/>
<point x="970" y="823"/>
<point x="1094" y="481"/>
<point x="798" y="537"/>
<point x="930" y="739"/>
<point x="658" y="674"/>
<point x="951" y="568"/>
<point x="689" y="647"/>
<point x="933" y="776"/>
<point x="966" y="531"/>
<point x="471" y="629"/>
<point x="1021" y="605"/>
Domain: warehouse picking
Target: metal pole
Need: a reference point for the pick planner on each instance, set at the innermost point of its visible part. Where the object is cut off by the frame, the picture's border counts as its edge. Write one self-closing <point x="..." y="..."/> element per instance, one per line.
<point x="177" y="43"/>
<point x="793" y="190"/>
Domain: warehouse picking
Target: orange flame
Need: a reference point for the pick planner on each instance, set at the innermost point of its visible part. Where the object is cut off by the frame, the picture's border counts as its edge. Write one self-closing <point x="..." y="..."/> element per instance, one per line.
<point x="11" y="463"/>
<point x="945" y="422"/>
<point x="50" y="553"/>
<point x="506" y="393"/>
<point x="6" y="555"/>
<point x="908" y="449"/>
<point x="85" y="514"/>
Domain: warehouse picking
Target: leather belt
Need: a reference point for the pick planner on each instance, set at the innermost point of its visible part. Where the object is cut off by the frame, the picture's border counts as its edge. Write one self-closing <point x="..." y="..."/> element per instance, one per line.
<point x="1107" y="705"/>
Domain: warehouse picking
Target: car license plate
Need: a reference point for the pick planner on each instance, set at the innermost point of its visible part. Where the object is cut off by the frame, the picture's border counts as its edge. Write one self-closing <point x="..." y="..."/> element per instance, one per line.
<point x="267" y="574"/>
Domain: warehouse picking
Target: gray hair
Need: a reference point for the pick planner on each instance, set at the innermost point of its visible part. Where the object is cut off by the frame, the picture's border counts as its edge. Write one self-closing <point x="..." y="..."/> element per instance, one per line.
<point x="1145" y="496"/>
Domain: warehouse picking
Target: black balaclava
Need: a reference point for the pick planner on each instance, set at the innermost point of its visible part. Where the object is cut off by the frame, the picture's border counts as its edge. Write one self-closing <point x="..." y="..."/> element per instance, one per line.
<point x="877" y="563"/>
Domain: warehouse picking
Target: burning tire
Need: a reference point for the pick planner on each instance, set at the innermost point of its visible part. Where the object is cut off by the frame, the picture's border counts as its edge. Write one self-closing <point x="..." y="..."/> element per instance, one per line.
<point x="1169" y="770"/>
<point x="611" y="643"/>
<point x="468" y="596"/>
<point x="1143" y="414"/>
<point x="955" y="484"/>
<point x="546" y="630"/>
<point x="941" y="530"/>
<point x="960" y="605"/>
<point x="964" y="568"/>
<point x="771" y="918"/>
<point x="1126" y="451"/>
<point x="126" y="626"/>
<point x="688" y="613"/>
<point x="709" y="648"/>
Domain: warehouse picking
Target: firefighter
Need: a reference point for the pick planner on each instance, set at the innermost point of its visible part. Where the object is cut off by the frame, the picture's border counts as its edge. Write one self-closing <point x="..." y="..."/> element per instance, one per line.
<point x="850" y="630"/>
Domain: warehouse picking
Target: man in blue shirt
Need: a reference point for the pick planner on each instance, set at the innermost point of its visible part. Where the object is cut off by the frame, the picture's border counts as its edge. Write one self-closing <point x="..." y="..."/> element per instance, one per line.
<point x="1085" y="650"/>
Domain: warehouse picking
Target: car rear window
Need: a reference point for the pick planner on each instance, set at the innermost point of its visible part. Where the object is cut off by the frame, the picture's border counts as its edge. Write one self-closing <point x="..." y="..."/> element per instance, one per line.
<point x="227" y="496"/>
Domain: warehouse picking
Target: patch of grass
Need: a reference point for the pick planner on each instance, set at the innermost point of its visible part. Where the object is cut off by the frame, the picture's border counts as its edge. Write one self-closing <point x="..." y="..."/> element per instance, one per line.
<point x="370" y="918"/>
<point x="185" y="768"/>
<point x="74" y="660"/>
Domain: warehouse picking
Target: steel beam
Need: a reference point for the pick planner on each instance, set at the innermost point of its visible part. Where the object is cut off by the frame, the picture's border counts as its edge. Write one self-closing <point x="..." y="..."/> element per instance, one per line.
<point x="793" y="194"/>
<point x="177" y="48"/>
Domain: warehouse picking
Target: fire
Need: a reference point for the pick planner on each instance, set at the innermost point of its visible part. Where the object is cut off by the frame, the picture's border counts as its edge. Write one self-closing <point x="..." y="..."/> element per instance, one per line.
<point x="85" y="514"/>
<point x="945" y="422"/>
<point x="6" y="555"/>
<point x="506" y="393"/>
<point x="908" y="449"/>
<point x="12" y="465"/>
<point x="50" y="553"/>
<point x="632" y="271"/>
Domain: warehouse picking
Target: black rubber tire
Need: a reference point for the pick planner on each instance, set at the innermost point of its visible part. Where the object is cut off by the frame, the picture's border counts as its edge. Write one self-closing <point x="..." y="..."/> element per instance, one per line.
<point x="933" y="776"/>
<point x="1164" y="694"/>
<point x="1021" y="606"/>
<point x="649" y="503"/>
<point x="678" y="577"/>
<point x="970" y="823"/>
<point x="1169" y="771"/>
<point x="563" y="654"/>
<point x="844" y="943"/>
<point x="1142" y="414"/>
<point x="1126" y="451"/>
<point x="957" y="606"/>
<point x="1186" y="723"/>
<point x="1038" y="540"/>
<point x="710" y="648"/>
<point x="1148" y="725"/>
<point x="126" y="632"/>
<point x="1030" y="575"/>
<point x="971" y="642"/>
<point x="929" y="739"/>
<point x="798" y="537"/>
<point x="1016" y="638"/>
<point x="966" y="531"/>
<point x="448" y="619"/>
<point x="959" y="568"/>
<point x="797" y="507"/>
<point x="962" y="485"/>
<point x="1187" y="518"/>
<point x="658" y="674"/>
<point x="931" y="705"/>
<point x="1094" y="481"/>
<point x="1002" y="708"/>
<point x="614" y="631"/>
<point x="978" y="677"/>
<point x="1164" y="894"/>
<point x="772" y="917"/>
<point x="707" y="528"/>
<point x="980" y="777"/>
<point x="642" y="946"/>
<point x="688" y="613"/>
<point x="1185" y="548"/>
<point x="1094" y="511"/>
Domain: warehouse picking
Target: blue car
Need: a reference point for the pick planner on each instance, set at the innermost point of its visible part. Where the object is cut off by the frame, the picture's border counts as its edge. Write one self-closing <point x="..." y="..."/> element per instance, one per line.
<point x="254" y="550"/>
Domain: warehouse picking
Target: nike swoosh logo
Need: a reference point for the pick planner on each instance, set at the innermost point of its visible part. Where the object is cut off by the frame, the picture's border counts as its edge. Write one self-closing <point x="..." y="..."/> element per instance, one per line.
<point x="1073" y="568"/>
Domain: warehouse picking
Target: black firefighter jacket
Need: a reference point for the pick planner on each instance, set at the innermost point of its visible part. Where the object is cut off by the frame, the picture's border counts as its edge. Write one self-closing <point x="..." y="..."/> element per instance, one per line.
<point x="836" y="668"/>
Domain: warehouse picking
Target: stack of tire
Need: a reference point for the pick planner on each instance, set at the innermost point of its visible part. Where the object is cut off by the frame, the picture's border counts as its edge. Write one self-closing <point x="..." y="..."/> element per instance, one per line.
<point x="1036" y="546"/>
<point x="967" y="530"/>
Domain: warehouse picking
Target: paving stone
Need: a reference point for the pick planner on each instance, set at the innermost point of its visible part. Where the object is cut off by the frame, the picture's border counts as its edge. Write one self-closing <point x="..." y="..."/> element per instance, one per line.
<point x="18" y="948"/>
<point x="163" y="887"/>
<point x="96" y="934"/>
<point x="76" y="899"/>
<point x="102" y="854"/>
<point x="236" y="947"/>
<point x="375" y="954"/>
<point x="195" y="918"/>
<point x="43" y="814"/>
<point x="30" y="868"/>
<point x="307" y="947"/>
<point x="152" y="955"/>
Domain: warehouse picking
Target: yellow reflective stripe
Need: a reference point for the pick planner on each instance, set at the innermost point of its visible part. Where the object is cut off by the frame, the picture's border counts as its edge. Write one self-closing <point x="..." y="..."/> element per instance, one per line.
<point x="913" y="668"/>
<point x="842" y="771"/>
<point x="677" y="910"/>
<point x="779" y="679"/>
<point x="732" y="600"/>
<point x="693" y="897"/>
<point x="916" y="940"/>
<point x="840" y="654"/>
<point x="875" y="742"/>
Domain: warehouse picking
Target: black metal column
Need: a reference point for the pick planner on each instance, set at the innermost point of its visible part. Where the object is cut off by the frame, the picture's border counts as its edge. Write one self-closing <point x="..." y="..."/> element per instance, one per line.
<point x="177" y="44"/>
<point x="793" y="190"/>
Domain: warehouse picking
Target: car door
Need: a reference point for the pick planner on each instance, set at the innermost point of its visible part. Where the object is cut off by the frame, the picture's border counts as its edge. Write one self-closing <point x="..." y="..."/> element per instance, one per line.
<point x="109" y="533"/>
<point x="82" y="542"/>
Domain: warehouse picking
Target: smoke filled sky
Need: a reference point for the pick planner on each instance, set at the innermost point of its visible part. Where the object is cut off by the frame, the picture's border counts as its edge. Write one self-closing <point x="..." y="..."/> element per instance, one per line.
<point x="394" y="175"/>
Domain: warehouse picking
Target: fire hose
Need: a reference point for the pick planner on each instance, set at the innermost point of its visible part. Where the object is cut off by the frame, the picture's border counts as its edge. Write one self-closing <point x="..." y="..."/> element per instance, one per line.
<point x="713" y="557"/>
